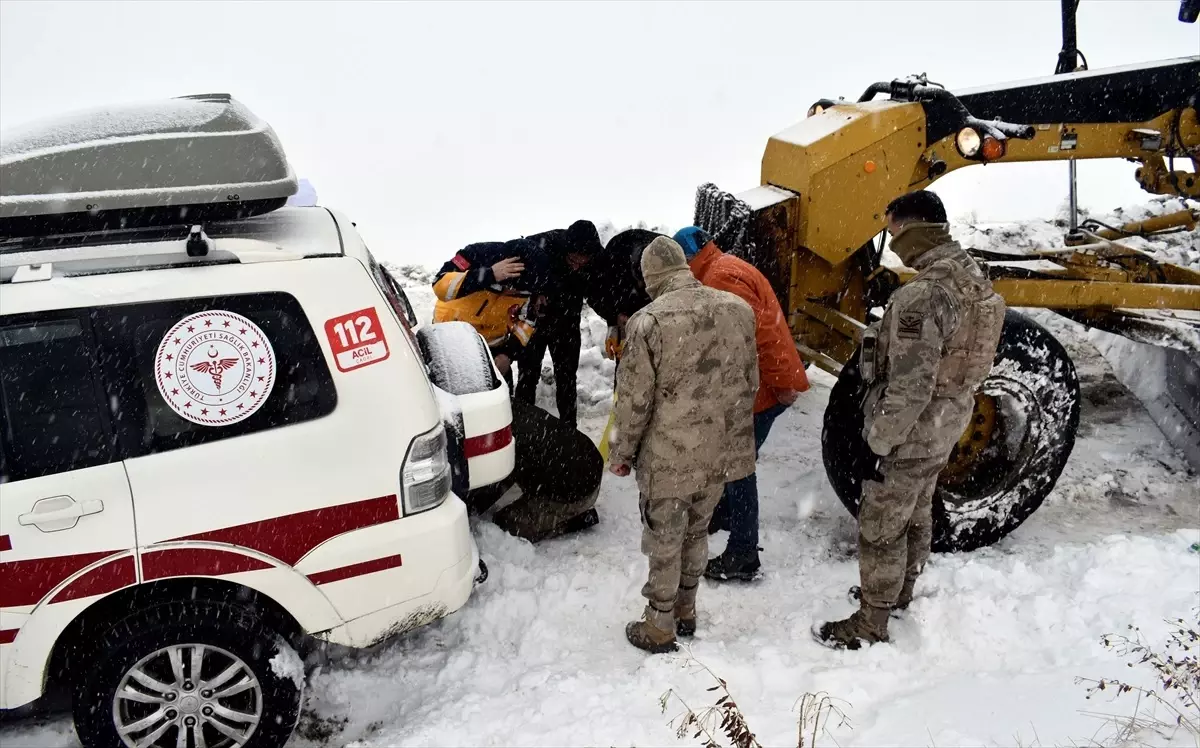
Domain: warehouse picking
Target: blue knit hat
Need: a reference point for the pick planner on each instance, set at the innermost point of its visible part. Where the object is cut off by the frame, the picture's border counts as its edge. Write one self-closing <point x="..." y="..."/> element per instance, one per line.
<point x="692" y="239"/>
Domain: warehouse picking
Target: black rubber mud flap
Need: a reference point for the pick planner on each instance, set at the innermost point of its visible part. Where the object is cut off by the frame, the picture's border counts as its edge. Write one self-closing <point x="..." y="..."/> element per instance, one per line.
<point x="1037" y="391"/>
<point x="460" y="471"/>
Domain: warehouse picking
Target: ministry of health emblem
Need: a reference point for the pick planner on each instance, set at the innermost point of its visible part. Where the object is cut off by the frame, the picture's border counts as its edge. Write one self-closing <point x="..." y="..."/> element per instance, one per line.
<point x="215" y="368"/>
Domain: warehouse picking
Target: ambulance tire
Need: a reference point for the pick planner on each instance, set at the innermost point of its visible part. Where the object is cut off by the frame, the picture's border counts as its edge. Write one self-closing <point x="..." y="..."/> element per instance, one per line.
<point x="1037" y="388"/>
<point x="230" y="633"/>
<point x="456" y="366"/>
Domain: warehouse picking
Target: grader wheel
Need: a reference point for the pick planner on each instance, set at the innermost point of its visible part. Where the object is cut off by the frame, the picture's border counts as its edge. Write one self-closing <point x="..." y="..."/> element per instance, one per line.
<point x="971" y="444"/>
<point x="1014" y="448"/>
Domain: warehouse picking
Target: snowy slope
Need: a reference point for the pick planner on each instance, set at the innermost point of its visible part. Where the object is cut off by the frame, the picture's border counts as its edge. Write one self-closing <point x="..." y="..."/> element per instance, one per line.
<point x="987" y="656"/>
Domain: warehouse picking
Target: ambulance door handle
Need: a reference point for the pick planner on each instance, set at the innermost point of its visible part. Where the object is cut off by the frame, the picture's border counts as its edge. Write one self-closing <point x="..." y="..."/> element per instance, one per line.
<point x="59" y="513"/>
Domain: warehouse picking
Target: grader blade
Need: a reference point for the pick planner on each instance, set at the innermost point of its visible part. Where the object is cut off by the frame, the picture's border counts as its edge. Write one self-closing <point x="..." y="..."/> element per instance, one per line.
<point x="1164" y="330"/>
<point x="1165" y="380"/>
<point x="1157" y="357"/>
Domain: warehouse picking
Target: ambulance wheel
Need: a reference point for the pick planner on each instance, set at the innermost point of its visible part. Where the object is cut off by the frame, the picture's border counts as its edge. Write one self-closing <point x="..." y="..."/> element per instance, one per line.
<point x="194" y="672"/>
<point x="459" y="360"/>
<point x="1014" y="449"/>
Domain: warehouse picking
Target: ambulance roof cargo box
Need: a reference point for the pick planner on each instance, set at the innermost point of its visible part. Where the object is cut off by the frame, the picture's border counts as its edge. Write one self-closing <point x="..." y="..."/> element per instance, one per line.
<point x="172" y="162"/>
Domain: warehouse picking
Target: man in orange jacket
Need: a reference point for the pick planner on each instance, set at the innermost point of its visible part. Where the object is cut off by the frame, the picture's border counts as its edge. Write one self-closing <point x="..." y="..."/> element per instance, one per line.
<point x="781" y="379"/>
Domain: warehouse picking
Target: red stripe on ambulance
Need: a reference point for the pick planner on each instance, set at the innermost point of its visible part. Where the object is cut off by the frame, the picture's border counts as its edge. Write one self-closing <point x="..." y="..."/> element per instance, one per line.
<point x="290" y="537"/>
<point x="474" y="446"/>
<point x="355" y="570"/>
<point x="204" y="562"/>
<point x="27" y="582"/>
<point x="110" y="577"/>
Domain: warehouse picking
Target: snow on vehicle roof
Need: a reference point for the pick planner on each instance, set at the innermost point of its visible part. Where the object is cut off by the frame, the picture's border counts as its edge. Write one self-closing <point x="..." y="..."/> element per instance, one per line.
<point x="303" y="231"/>
<point x="188" y="151"/>
<point x="105" y="123"/>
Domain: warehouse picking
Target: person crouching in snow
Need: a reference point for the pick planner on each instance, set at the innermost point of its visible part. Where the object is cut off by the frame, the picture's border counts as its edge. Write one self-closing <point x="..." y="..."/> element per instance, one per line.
<point x="498" y="288"/>
<point x="781" y="379"/>
<point x="684" y="420"/>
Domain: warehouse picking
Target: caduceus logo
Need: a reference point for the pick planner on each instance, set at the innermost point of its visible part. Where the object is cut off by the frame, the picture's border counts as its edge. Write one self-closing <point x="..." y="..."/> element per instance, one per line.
<point x="215" y="367"/>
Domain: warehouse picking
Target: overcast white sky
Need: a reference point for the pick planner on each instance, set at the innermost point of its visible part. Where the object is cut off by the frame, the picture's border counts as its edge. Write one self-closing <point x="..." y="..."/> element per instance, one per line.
<point x="437" y="125"/>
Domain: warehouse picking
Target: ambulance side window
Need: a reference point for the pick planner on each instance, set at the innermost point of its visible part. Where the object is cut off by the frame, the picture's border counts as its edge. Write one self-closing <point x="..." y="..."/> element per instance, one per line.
<point x="129" y="337"/>
<point x="51" y="405"/>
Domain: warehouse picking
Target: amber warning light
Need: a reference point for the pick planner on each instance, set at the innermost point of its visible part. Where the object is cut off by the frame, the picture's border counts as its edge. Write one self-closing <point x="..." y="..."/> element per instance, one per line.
<point x="992" y="149"/>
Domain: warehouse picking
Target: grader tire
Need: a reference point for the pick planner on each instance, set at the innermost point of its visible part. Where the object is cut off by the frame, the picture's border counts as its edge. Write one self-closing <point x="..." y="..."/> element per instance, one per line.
<point x="984" y="494"/>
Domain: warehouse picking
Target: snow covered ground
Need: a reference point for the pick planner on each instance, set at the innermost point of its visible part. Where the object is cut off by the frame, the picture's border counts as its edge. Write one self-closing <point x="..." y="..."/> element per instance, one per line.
<point x="988" y="655"/>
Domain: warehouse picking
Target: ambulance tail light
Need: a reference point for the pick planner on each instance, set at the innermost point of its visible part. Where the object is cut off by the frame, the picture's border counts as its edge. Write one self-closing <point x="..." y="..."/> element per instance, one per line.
<point x="425" y="478"/>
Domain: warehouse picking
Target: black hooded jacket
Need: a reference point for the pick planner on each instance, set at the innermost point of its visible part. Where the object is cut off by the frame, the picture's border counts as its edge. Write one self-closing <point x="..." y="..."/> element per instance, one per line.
<point x="470" y="270"/>
<point x="611" y="287"/>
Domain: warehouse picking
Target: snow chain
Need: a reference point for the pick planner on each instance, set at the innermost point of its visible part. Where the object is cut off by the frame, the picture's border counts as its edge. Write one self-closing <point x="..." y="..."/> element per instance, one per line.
<point x="726" y="219"/>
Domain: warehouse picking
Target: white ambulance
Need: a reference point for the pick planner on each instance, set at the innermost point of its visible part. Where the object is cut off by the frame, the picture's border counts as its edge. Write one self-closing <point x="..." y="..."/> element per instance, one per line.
<point x="222" y="434"/>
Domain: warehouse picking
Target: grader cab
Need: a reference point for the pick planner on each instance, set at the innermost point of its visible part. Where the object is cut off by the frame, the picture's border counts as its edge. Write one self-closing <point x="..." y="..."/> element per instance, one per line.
<point x="815" y="227"/>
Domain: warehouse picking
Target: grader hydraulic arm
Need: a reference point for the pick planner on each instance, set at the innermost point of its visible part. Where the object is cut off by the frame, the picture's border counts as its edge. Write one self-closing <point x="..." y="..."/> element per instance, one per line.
<point x="828" y="179"/>
<point x="812" y="226"/>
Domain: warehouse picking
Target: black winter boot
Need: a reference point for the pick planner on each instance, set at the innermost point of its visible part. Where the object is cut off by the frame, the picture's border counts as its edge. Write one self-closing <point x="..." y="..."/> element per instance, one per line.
<point x="866" y="624"/>
<point x="743" y="567"/>
<point x="648" y="637"/>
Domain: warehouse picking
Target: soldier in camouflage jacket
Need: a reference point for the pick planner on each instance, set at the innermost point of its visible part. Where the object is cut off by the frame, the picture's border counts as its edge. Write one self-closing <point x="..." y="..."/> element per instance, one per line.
<point x="684" y="421"/>
<point x="923" y="363"/>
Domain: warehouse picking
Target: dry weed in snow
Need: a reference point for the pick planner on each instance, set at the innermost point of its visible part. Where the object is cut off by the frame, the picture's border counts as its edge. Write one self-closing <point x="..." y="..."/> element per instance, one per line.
<point x="725" y="717"/>
<point x="1175" y="689"/>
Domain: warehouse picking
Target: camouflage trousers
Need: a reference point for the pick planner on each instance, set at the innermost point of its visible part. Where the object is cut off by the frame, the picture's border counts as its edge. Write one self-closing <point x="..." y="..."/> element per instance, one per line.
<point x="675" y="540"/>
<point x="895" y="528"/>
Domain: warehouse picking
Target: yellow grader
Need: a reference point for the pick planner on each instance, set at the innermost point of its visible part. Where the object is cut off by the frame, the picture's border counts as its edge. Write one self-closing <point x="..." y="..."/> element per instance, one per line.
<point x="815" y="227"/>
